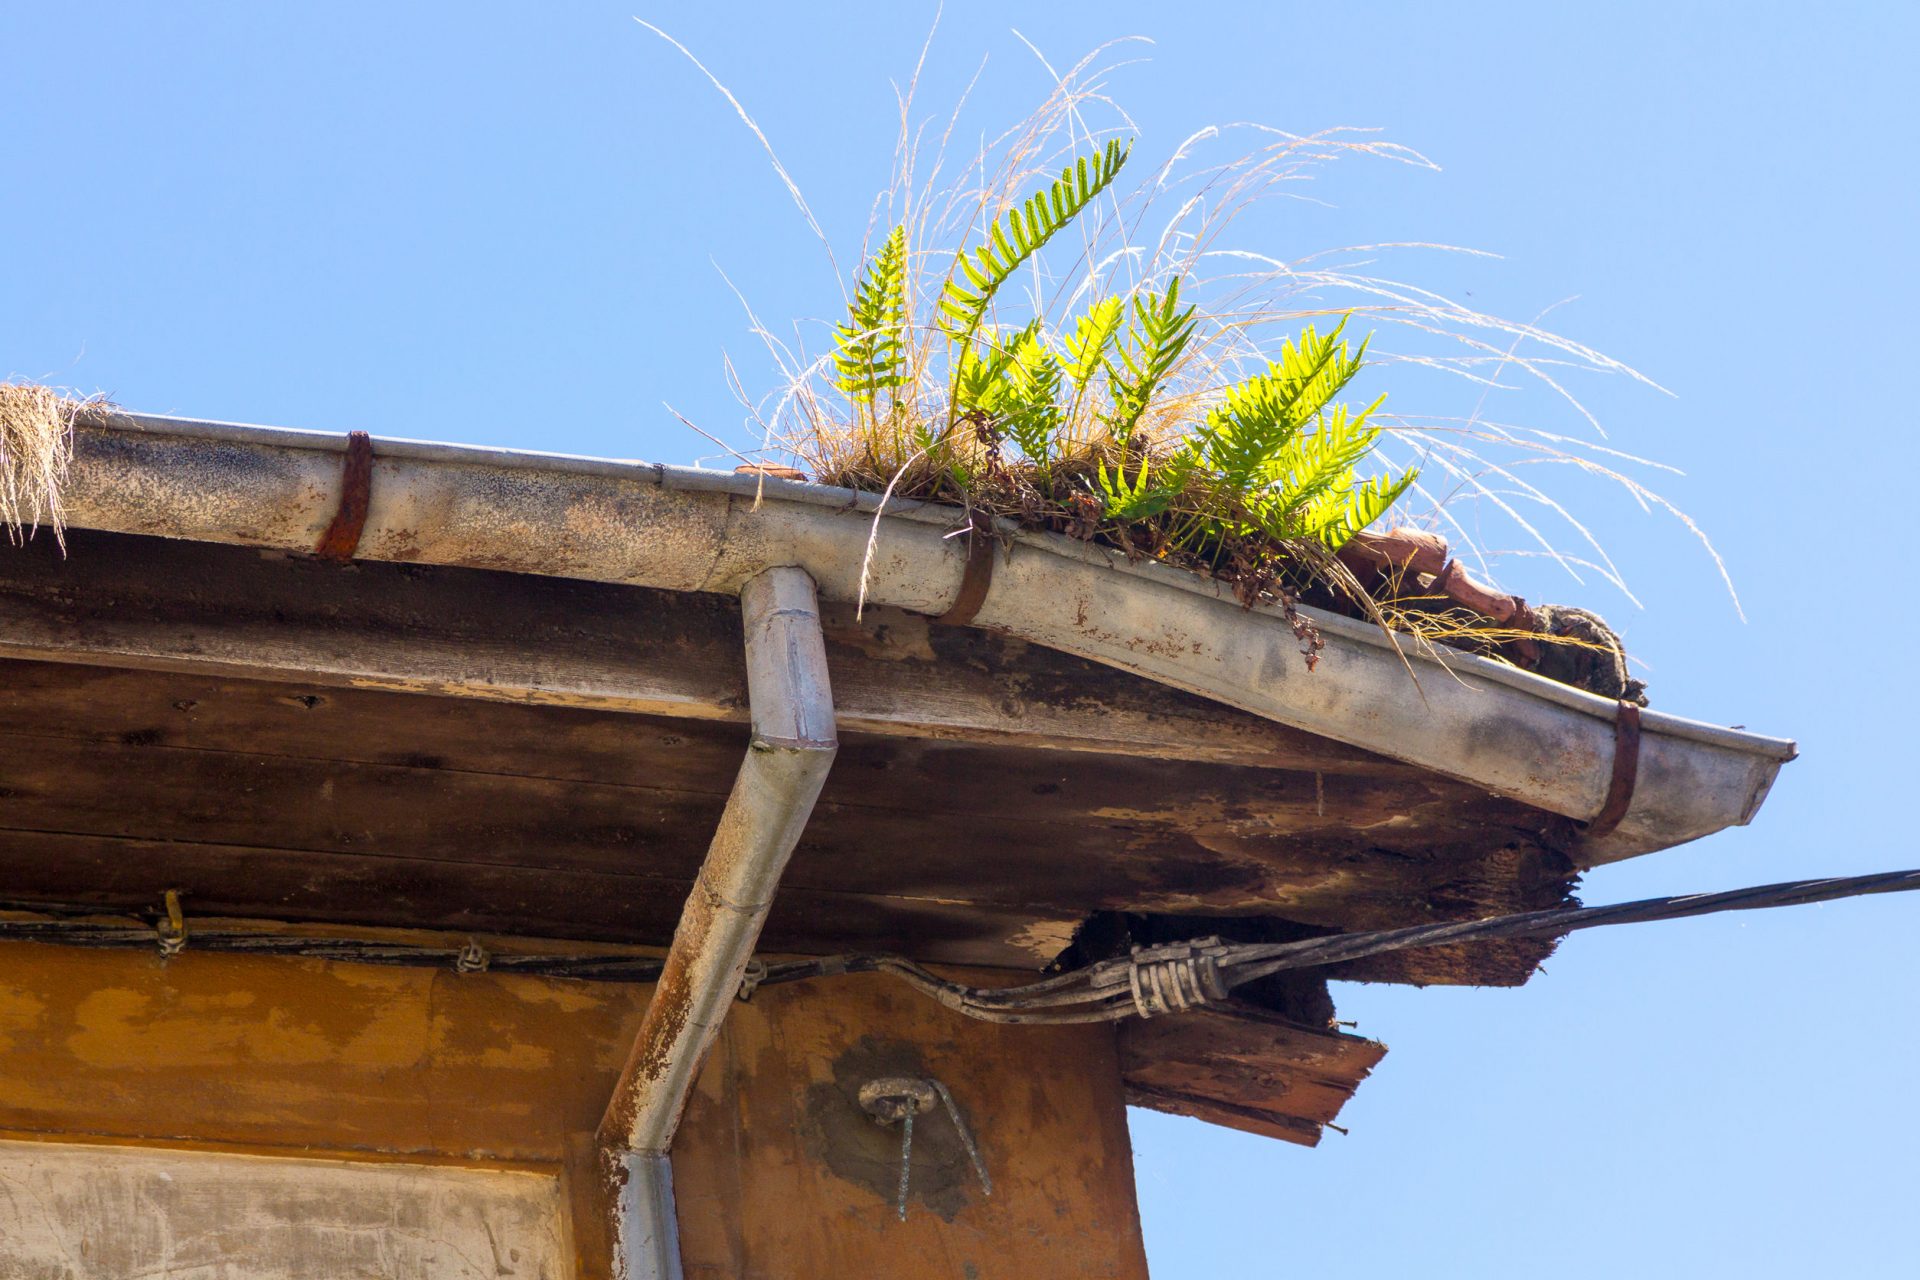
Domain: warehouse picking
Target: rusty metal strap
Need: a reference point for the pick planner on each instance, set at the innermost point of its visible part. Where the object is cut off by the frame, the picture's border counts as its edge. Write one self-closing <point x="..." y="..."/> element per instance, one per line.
<point x="978" y="577"/>
<point x="342" y="537"/>
<point x="1626" y="771"/>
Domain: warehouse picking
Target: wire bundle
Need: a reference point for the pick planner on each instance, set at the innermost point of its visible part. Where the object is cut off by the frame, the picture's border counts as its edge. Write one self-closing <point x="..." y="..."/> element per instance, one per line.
<point x="1194" y="971"/>
<point x="1152" y="981"/>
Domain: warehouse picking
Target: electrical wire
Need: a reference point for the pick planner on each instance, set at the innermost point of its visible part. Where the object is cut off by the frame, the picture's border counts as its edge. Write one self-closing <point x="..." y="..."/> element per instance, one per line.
<point x="203" y="937"/>
<point x="1169" y="978"/>
<point x="1152" y="981"/>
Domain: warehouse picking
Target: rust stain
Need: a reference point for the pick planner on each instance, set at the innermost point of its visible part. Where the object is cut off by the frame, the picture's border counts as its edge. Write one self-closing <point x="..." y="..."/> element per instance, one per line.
<point x="659" y="1034"/>
<point x="342" y="536"/>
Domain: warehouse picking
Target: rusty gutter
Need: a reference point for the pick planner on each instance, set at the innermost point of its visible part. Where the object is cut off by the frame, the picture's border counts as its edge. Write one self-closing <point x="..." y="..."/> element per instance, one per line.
<point x="791" y="747"/>
<point x="1514" y="733"/>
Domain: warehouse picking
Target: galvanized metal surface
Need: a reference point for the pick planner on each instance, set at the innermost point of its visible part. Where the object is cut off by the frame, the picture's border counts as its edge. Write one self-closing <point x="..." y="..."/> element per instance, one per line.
<point x="792" y="746"/>
<point x="1516" y="734"/>
<point x="646" y="1226"/>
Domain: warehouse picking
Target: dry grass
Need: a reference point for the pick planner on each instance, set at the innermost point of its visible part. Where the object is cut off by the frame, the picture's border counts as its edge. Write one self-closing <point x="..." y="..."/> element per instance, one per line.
<point x="1172" y="223"/>
<point x="36" y="446"/>
<point x="1504" y="395"/>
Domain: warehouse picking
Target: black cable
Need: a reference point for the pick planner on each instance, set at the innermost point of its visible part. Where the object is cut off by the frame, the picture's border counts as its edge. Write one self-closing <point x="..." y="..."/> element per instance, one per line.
<point x="1257" y="960"/>
<point x="1111" y="990"/>
<point x="135" y="934"/>
<point x="1153" y="980"/>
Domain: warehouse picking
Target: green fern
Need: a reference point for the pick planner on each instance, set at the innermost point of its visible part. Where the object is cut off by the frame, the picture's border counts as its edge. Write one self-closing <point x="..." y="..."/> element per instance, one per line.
<point x="1012" y="388"/>
<point x="1047" y="422"/>
<point x="1087" y="346"/>
<point x="1321" y="461"/>
<point x="980" y="371"/>
<point x="1334" y="517"/>
<point x="963" y="305"/>
<point x="1149" y="493"/>
<point x="1254" y="428"/>
<point x="869" y="350"/>
<point x="1158" y="334"/>
<point x="1278" y="477"/>
<point x="1033" y="416"/>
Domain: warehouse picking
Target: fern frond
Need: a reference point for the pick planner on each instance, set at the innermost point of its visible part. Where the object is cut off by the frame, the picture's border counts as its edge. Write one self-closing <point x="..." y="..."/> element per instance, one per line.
<point x="1087" y="345"/>
<point x="1032" y="415"/>
<point x="975" y="279"/>
<point x="1323" y="460"/>
<point x="1248" y="441"/>
<point x="1157" y="335"/>
<point x="980" y="370"/>
<point x="1142" y="497"/>
<point x="1334" y="518"/>
<point x="1283" y="456"/>
<point x="1315" y="369"/>
<point x="1012" y="388"/>
<point x="869" y="354"/>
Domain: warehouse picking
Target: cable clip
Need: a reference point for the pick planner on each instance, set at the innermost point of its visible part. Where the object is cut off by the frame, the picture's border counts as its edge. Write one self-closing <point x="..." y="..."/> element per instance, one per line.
<point x="173" y="930"/>
<point x="751" y="978"/>
<point x="1176" y="976"/>
<point x="473" y="958"/>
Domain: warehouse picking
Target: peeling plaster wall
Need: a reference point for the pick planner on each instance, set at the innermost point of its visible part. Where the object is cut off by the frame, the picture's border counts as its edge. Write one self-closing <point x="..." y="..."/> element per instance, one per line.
<point x="228" y="1117"/>
<point x="84" y="1212"/>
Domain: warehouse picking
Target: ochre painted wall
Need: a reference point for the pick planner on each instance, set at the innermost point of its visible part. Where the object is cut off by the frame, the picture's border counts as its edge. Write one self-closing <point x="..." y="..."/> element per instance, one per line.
<point x="287" y="1052"/>
<point x="780" y="1136"/>
<point x="778" y="1172"/>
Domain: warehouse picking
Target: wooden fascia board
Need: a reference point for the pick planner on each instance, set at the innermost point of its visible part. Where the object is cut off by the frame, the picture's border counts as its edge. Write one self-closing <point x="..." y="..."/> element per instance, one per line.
<point x="200" y="609"/>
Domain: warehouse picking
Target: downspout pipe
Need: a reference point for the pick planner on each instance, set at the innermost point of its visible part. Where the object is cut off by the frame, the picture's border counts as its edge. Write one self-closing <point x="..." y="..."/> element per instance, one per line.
<point x="792" y="746"/>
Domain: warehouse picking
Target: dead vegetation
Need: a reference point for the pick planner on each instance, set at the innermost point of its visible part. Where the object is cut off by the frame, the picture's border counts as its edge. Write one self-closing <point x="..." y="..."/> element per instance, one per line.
<point x="36" y="446"/>
<point x="1029" y="337"/>
<point x="1146" y="385"/>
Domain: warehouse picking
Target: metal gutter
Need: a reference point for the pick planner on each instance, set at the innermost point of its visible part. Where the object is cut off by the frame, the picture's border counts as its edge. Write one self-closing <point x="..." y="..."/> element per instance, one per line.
<point x="1514" y="733"/>
<point x="791" y="748"/>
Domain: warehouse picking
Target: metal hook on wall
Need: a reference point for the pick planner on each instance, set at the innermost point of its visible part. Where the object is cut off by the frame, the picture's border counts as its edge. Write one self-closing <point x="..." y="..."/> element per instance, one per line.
<point x="897" y="1100"/>
<point x="172" y="931"/>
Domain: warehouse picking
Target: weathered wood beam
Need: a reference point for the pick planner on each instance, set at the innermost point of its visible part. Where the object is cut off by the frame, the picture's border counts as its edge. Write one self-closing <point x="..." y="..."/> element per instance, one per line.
<point x="952" y="825"/>
<point x="152" y="604"/>
<point x="49" y="870"/>
<point x="183" y="734"/>
<point x="1244" y="1068"/>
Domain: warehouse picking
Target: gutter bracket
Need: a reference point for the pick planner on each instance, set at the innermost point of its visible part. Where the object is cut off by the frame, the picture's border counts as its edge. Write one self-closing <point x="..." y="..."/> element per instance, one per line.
<point x="342" y="537"/>
<point x="1626" y="771"/>
<point x="977" y="579"/>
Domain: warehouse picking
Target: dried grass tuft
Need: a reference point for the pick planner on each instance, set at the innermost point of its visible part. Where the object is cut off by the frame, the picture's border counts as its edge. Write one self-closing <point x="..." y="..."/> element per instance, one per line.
<point x="1462" y="373"/>
<point x="36" y="448"/>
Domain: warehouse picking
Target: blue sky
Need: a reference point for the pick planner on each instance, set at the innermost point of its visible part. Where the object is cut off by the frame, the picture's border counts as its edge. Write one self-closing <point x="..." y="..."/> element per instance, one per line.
<point x="501" y="224"/>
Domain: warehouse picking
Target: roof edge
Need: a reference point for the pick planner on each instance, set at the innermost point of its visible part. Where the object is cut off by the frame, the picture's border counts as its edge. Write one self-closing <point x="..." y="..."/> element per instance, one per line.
<point x="1516" y="733"/>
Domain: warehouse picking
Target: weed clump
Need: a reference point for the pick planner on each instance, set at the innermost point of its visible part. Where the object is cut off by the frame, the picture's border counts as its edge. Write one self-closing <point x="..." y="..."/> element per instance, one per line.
<point x="1033" y="341"/>
<point x="36" y="446"/>
<point x="1109" y="424"/>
